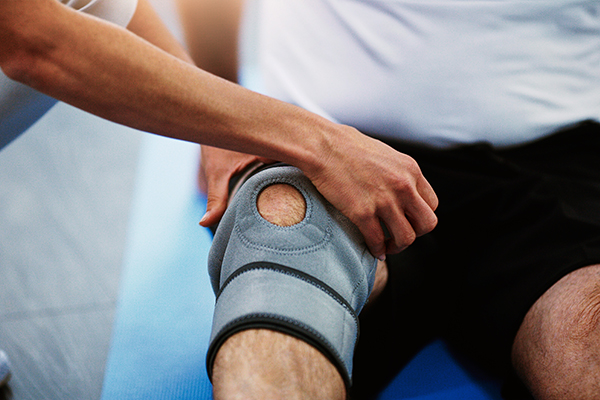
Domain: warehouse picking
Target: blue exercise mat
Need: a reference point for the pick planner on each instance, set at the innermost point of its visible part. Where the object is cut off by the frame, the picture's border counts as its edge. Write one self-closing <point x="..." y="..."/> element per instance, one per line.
<point x="165" y="308"/>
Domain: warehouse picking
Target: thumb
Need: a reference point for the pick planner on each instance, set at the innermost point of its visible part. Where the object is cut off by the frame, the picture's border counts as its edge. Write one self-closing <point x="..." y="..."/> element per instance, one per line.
<point x="216" y="202"/>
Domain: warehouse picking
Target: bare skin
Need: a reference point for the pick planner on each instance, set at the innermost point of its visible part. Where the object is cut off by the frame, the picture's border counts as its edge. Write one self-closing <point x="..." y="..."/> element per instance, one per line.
<point x="211" y="29"/>
<point x="282" y="205"/>
<point x="262" y="364"/>
<point x="414" y="211"/>
<point x="557" y="349"/>
<point x="259" y="364"/>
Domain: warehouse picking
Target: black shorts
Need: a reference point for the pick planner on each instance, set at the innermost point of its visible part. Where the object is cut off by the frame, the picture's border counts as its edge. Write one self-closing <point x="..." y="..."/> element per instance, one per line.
<point x="512" y="222"/>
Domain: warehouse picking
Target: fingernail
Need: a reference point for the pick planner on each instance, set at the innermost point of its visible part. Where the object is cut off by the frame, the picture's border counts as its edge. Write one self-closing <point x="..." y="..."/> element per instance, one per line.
<point x="381" y="257"/>
<point x="204" y="218"/>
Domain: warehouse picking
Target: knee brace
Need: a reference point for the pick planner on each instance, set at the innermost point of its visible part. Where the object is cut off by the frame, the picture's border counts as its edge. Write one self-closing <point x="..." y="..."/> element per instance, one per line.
<point x="309" y="280"/>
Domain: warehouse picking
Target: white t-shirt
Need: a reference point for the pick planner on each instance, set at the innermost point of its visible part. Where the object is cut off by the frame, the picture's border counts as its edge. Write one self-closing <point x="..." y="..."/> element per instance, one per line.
<point x="438" y="72"/>
<point x="21" y="106"/>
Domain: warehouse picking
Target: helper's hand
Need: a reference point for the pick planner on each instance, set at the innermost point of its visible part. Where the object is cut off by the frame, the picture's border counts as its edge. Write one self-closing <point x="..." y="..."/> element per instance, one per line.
<point x="217" y="166"/>
<point x="371" y="183"/>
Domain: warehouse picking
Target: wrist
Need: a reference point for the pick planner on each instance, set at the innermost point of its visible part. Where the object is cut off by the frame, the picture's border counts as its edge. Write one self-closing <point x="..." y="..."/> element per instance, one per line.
<point x="319" y="144"/>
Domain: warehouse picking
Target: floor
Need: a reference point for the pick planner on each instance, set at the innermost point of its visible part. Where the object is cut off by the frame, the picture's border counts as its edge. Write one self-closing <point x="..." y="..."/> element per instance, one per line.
<point x="65" y="194"/>
<point x="66" y="187"/>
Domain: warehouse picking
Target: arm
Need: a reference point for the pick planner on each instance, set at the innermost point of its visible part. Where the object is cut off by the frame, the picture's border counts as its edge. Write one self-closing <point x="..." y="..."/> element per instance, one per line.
<point x="211" y="34"/>
<point x="117" y="75"/>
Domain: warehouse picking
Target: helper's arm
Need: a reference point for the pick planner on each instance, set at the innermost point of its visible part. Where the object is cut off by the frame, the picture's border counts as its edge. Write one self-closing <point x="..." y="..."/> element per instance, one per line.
<point x="117" y="75"/>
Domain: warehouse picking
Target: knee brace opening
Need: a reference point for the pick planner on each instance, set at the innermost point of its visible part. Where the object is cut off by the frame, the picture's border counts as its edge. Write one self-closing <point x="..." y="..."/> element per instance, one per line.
<point x="281" y="204"/>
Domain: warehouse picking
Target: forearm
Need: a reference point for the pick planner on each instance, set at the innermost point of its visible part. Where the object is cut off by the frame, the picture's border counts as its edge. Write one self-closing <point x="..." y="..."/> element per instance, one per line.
<point x="117" y="75"/>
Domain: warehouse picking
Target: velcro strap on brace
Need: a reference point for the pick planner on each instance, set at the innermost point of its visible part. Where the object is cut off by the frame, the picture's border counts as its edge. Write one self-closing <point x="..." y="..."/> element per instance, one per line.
<point x="309" y="280"/>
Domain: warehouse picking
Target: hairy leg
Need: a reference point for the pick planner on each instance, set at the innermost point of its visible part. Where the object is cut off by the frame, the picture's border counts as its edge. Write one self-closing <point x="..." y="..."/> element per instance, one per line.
<point x="265" y="364"/>
<point x="557" y="348"/>
<point x="262" y="364"/>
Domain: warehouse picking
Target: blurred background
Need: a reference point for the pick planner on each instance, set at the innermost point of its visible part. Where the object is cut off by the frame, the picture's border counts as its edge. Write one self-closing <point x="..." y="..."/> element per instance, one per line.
<point x="65" y="193"/>
<point x="66" y="187"/>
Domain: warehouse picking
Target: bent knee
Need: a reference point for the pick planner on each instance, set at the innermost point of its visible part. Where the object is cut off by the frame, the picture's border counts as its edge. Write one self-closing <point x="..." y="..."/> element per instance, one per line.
<point x="569" y="311"/>
<point x="557" y="348"/>
<point x="281" y="204"/>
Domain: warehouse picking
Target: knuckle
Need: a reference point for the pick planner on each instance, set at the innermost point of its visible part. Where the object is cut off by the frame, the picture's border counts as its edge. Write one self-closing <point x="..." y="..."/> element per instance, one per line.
<point x="405" y="240"/>
<point x="428" y="225"/>
<point x="412" y="166"/>
<point x="361" y="217"/>
<point x="410" y="238"/>
<point x="403" y="182"/>
<point x="214" y="201"/>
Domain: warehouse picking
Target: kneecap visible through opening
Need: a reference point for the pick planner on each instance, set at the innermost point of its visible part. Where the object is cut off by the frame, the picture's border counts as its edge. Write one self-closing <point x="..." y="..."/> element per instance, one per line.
<point x="281" y="204"/>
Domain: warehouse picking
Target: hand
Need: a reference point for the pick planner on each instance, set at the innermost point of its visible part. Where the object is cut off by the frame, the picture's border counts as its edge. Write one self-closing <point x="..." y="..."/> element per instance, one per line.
<point x="371" y="184"/>
<point x="217" y="166"/>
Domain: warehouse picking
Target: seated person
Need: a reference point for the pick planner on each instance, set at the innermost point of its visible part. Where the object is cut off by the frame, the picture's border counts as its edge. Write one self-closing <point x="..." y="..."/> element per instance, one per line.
<point x="79" y="52"/>
<point x="498" y="103"/>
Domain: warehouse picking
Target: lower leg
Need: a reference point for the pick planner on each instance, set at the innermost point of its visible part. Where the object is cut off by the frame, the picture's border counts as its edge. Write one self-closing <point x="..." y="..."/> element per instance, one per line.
<point x="263" y="364"/>
<point x="557" y="349"/>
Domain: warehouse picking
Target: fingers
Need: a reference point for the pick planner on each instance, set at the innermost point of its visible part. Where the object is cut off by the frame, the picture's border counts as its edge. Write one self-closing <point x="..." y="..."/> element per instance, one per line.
<point x="400" y="232"/>
<point x="402" y="235"/>
<point x="416" y="219"/>
<point x="201" y="180"/>
<point x="427" y="193"/>
<point x="385" y="233"/>
<point x="216" y="168"/>
<point x="407" y="215"/>
<point x="374" y="236"/>
<point x="420" y="211"/>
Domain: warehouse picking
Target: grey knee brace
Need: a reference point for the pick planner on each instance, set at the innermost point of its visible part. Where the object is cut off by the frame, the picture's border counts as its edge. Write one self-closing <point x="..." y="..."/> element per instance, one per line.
<point x="309" y="280"/>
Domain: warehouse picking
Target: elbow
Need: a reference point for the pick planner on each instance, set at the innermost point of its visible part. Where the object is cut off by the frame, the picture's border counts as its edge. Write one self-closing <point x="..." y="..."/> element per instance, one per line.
<point x="18" y="69"/>
<point x="28" y="36"/>
<point x="26" y="68"/>
<point x="26" y="55"/>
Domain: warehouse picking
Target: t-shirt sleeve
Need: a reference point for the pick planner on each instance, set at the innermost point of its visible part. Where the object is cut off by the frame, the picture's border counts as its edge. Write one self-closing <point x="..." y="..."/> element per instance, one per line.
<point x="119" y="12"/>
